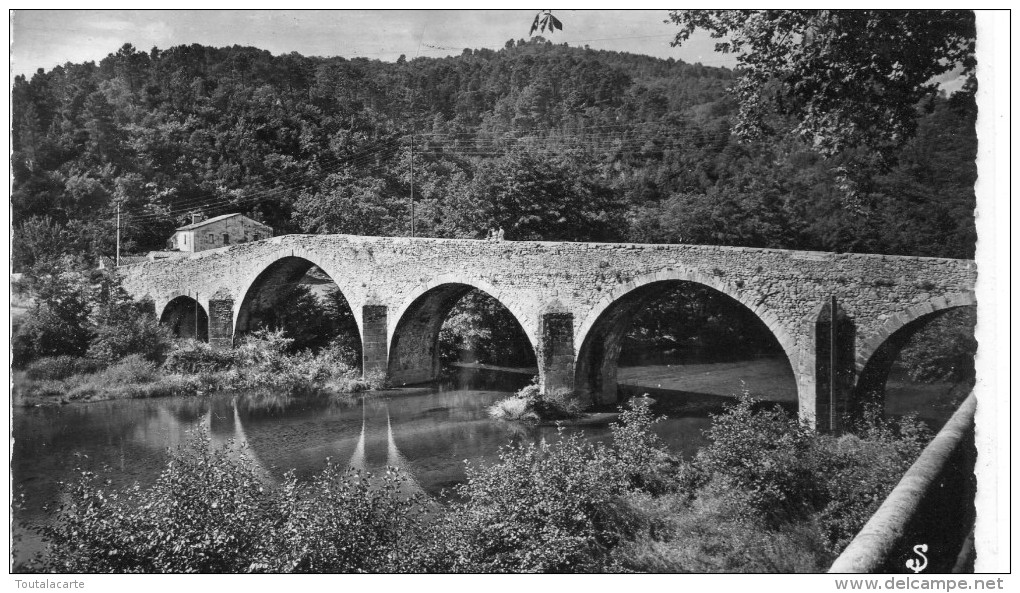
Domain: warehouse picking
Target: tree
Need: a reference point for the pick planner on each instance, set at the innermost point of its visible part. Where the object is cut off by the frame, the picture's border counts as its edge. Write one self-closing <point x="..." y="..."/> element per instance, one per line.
<point x="846" y="77"/>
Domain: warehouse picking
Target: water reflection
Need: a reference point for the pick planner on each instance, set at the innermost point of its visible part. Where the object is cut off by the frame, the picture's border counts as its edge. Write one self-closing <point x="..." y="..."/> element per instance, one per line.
<point x="429" y="434"/>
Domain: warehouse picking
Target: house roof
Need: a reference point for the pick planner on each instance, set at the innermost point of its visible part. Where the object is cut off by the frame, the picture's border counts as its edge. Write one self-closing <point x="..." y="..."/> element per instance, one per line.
<point x="202" y="223"/>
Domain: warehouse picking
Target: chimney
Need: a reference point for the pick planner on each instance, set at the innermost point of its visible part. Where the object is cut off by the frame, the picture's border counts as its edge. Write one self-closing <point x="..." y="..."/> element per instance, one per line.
<point x="196" y="217"/>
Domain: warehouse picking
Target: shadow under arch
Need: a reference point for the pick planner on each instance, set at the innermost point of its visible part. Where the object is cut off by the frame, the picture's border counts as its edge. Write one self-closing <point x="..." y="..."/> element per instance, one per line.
<point x="878" y="354"/>
<point x="602" y="332"/>
<point x="186" y="318"/>
<point x="414" y="339"/>
<point x="262" y="293"/>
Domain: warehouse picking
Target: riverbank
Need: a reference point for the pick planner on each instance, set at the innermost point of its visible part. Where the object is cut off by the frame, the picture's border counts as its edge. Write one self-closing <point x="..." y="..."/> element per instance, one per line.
<point x="192" y="368"/>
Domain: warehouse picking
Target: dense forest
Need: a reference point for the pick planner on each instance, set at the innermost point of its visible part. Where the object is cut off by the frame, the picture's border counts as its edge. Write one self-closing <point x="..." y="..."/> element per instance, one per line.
<point x="543" y="140"/>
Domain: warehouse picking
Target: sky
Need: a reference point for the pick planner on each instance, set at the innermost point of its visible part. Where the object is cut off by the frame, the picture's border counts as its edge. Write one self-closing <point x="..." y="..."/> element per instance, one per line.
<point x="47" y="38"/>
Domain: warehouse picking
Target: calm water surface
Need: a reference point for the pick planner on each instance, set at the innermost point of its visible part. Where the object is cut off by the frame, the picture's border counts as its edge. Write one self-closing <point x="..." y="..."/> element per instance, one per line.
<point x="429" y="433"/>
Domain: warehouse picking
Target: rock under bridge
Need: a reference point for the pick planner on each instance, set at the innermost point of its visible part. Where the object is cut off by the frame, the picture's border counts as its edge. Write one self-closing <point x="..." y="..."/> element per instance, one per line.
<point x="575" y="301"/>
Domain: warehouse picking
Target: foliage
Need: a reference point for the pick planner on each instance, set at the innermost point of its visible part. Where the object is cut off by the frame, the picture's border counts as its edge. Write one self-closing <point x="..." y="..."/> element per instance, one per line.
<point x="541" y="508"/>
<point x="85" y="312"/>
<point x="59" y="322"/>
<point x="847" y="77"/>
<point x="211" y="510"/>
<point x="944" y="349"/>
<point x="780" y="473"/>
<point x="564" y="506"/>
<point x="309" y="320"/>
<point x="193" y="357"/>
<point x="55" y="368"/>
<point x="530" y="404"/>
<point x="513" y="408"/>
<point x="543" y="140"/>
<point x="761" y="454"/>
<point x="129" y="328"/>
<point x="644" y="458"/>
<point x="545" y="19"/>
<point x="480" y="329"/>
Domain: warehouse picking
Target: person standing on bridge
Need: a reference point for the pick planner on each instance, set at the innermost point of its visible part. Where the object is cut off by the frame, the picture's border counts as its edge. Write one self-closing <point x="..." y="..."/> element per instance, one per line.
<point x="499" y="234"/>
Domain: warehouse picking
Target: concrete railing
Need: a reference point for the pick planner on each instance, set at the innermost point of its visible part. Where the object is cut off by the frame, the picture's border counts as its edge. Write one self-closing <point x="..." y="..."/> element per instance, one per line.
<point x="932" y="506"/>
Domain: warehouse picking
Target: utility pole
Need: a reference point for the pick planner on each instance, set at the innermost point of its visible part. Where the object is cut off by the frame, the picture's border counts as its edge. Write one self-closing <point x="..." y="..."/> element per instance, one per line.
<point x="118" y="233"/>
<point x="197" y="337"/>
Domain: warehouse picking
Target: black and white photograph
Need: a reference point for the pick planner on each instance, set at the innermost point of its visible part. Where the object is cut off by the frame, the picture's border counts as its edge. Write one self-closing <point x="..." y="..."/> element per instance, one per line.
<point x="679" y="292"/>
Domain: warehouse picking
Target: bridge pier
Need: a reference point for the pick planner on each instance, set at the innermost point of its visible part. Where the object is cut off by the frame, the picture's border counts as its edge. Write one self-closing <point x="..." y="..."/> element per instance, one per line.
<point x="373" y="348"/>
<point x="221" y="322"/>
<point x="834" y="368"/>
<point x="556" y="351"/>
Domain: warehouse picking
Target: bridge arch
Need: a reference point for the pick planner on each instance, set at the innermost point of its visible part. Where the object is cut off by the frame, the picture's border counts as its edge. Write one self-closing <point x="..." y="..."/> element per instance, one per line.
<point x="413" y="353"/>
<point x="877" y="353"/>
<point x="186" y="317"/>
<point x="602" y="330"/>
<point x="282" y="268"/>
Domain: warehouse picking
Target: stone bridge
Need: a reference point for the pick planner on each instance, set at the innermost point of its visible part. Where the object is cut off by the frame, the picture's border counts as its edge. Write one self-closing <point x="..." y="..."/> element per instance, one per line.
<point x="575" y="301"/>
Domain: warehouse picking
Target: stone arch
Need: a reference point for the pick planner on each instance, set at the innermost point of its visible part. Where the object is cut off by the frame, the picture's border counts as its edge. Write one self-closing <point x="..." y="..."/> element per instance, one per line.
<point x="186" y="317"/>
<point x="413" y="334"/>
<point x="600" y="333"/>
<point x="281" y="267"/>
<point x="877" y="353"/>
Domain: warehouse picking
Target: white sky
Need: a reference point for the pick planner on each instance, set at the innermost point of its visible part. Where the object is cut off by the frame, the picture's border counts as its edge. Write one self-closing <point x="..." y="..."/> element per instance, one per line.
<point x="46" y="38"/>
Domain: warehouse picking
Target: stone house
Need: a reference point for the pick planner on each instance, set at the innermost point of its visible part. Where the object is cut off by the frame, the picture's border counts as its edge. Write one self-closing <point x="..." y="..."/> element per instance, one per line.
<point x="219" y="231"/>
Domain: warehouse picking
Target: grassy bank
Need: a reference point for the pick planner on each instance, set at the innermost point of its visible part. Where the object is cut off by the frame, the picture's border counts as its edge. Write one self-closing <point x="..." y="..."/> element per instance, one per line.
<point x="262" y="361"/>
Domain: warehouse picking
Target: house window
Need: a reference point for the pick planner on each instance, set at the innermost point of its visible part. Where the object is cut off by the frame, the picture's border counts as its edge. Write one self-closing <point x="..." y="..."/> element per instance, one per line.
<point x="226" y="239"/>
<point x="212" y="239"/>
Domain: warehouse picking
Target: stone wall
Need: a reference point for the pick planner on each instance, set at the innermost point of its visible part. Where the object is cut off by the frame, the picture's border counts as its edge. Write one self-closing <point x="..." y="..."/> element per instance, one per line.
<point x="786" y="289"/>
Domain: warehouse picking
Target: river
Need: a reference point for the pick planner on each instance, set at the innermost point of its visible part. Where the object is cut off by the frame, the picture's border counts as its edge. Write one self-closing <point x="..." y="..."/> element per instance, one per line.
<point x="429" y="432"/>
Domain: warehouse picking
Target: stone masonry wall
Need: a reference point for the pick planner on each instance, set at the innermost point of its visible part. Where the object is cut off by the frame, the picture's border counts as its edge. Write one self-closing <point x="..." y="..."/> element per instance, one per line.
<point x="787" y="289"/>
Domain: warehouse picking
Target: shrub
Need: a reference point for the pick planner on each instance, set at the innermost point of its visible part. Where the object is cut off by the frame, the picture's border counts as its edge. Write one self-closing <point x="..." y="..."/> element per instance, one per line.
<point x="59" y="367"/>
<point x="212" y="511"/>
<point x="192" y="356"/>
<point x="131" y="369"/>
<point x="541" y="508"/>
<point x="344" y="520"/>
<point x="513" y="408"/>
<point x="642" y="455"/>
<point x="761" y="453"/>
<point x="559" y="403"/>
<point x="129" y="328"/>
<point x="858" y="471"/>
<point x="675" y="536"/>
<point x="529" y="403"/>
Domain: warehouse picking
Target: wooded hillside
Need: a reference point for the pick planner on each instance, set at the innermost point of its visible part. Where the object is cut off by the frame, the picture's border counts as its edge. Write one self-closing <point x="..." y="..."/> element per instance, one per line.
<point x="543" y="140"/>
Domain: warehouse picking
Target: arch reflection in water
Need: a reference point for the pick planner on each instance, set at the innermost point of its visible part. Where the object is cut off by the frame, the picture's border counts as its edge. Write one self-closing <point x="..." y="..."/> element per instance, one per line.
<point x="358" y="458"/>
<point x="226" y="432"/>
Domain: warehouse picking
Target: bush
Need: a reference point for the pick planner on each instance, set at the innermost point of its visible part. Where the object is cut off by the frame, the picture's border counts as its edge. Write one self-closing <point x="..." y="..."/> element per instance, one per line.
<point x="212" y="511"/>
<point x="193" y="356"/>
<point x="130" y="332"/>
<point x="131" y="369"/>
<point x="513" y="408"/>
<point x="530" y="404"/>
<point x="646" y="463"/>
<point x="55" y="368"/>
<point x="542" y="508"/>
<point x="762" y="453"/>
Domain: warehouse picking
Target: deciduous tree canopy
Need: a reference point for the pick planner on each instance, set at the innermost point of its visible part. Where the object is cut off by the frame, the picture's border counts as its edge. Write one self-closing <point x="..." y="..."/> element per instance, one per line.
<point x="543" y="140"/>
